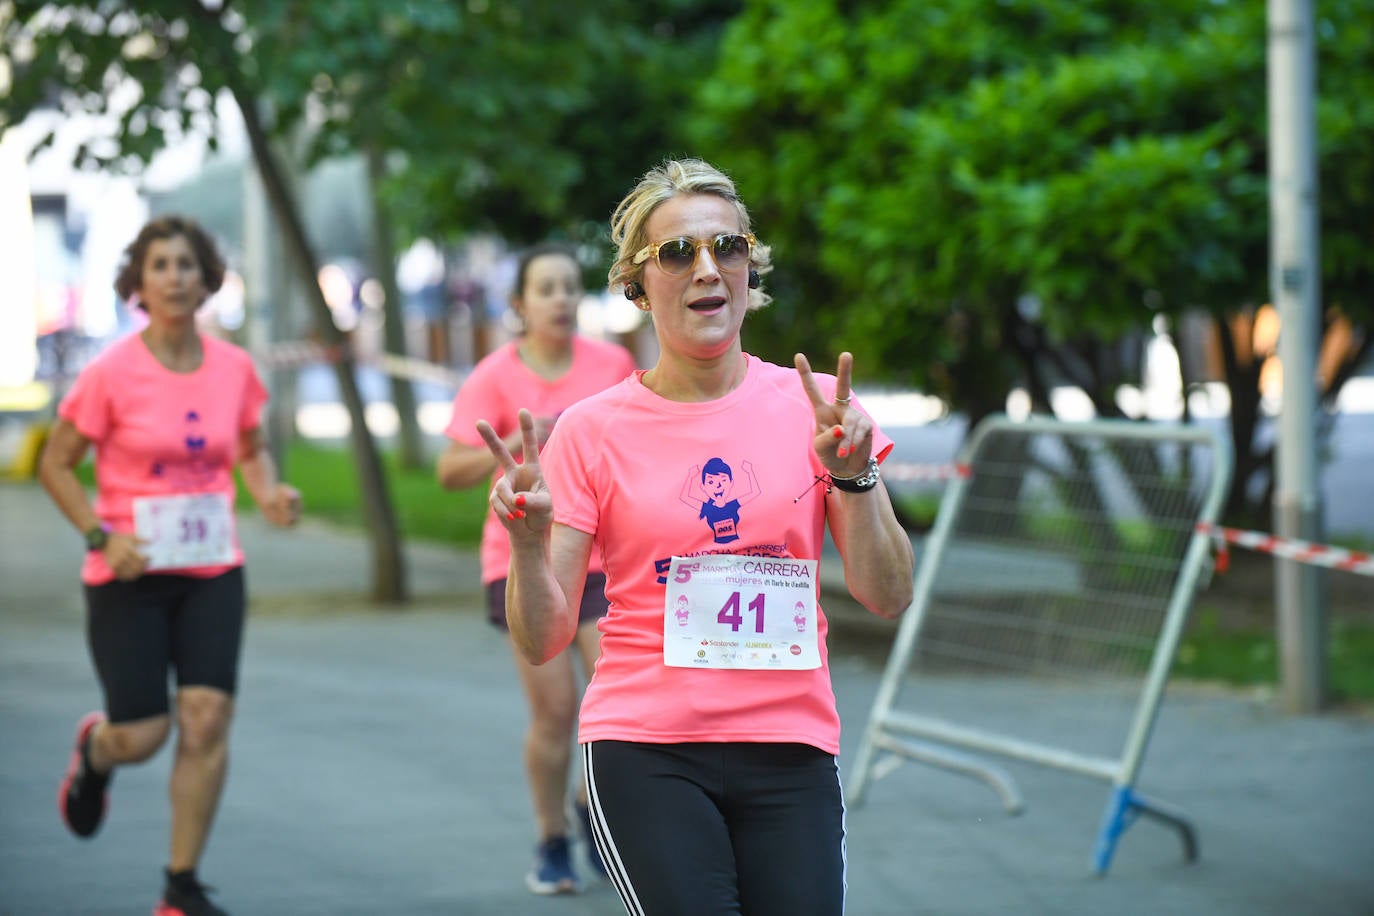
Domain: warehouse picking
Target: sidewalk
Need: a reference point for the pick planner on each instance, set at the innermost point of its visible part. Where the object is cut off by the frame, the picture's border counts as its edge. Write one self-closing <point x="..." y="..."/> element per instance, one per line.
<point x="376" y="769"/>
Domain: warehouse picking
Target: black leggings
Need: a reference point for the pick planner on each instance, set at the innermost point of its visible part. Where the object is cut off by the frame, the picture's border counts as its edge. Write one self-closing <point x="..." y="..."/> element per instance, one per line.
<point x="717" y="829"/>
<point x="138" y="631"/>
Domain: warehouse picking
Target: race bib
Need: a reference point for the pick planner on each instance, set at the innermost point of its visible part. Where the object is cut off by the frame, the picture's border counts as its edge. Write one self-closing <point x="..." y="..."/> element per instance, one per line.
<point x="183" y="531"/>
<point x="727" y="611"/>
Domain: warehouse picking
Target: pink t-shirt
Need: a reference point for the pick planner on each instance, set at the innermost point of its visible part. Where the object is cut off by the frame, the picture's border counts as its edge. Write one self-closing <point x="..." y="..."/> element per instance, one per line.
<point x="616" y="465"/>
<point x="501" y="384"/>
<point x="162" y="433"/>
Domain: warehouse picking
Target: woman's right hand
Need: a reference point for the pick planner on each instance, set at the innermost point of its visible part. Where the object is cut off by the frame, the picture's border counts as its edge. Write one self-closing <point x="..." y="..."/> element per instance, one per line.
<point x="122" y="555"/>
<point x="519" y="497"/>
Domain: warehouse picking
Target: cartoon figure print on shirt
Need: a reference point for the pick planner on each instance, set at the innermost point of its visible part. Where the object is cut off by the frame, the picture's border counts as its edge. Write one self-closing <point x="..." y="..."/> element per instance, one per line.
<point x="195" y="469"/>
<point x="720" y="507"/>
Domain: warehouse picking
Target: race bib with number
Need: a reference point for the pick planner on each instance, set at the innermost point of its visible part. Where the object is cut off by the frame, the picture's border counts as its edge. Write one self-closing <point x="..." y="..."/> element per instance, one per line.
<point x="184" y="531"/>
<point x="727" y="611"/>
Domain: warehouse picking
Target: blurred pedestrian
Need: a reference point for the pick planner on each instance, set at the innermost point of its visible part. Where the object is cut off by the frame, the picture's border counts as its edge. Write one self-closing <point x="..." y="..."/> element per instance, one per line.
<point x="170" y="412"/>
<point x="546" y="369"/>
<point x="709" y="729"/>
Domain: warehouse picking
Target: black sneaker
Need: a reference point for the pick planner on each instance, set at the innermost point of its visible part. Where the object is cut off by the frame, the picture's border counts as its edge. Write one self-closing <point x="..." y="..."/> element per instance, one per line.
<point x="584" y="817"/>
<point x="83" y="797"/>
<point x="185" y="896"/>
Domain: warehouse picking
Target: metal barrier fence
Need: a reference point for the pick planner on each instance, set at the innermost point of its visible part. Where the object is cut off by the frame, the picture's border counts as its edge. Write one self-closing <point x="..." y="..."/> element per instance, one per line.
<point x="1049" y="600"/>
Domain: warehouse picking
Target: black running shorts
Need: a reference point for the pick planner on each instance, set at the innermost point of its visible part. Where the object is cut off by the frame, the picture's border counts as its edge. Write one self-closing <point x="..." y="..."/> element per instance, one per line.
<point x="594" y="603"/>
<point x="141" y="631"/>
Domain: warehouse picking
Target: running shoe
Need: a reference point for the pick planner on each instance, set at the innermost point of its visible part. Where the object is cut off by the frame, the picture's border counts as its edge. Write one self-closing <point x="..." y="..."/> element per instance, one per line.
<point x="553" y="872"/>
<point x="186" y="897"/>
<point x="584" y="817"/>
<point x="83" y="795"/>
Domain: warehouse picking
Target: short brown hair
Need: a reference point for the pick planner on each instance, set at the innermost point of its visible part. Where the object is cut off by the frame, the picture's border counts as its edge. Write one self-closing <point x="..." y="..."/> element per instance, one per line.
<point x="130" y="277"/>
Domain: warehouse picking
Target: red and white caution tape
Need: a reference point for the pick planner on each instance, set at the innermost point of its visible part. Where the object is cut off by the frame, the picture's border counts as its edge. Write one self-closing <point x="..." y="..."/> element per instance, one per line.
<point x="417" y="370"/>
<point x="293" y="354"/>
<point x="1291" y="549"/>
<point x="893" y="470"/>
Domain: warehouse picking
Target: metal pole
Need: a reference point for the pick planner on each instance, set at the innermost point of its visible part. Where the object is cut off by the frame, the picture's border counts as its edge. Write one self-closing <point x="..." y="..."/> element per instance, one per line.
<point x="1295" y="272"/>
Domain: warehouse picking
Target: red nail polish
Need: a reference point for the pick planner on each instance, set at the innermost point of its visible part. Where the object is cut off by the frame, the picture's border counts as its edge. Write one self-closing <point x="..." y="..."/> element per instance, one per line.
<point x="510" y="516"/>
<point x="519" y="513"/>
<point x="520" y="499"/>
<point x="841" y="451"/>
<point x="838" y="432"/>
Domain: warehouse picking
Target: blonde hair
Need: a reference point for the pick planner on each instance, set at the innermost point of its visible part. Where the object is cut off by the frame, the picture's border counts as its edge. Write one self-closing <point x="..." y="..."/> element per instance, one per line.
<point x="660" y="184"/>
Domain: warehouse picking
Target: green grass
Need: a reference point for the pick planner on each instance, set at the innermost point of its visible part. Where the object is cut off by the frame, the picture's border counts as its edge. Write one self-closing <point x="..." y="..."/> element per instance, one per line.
<point x="424" y="511"/>
<point x="1209" y="652"/>
<point x="329" y="489"/>
<point x="915" y="509"/>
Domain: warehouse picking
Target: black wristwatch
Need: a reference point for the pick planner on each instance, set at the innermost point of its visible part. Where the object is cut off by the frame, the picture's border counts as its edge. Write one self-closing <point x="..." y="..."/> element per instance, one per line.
<point x="97" y="537"/>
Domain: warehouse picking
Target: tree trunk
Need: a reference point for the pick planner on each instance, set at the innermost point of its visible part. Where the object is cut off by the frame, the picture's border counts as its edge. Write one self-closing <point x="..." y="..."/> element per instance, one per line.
<point x="411" y="448"/>
<point x="1242" y="373"/>
<point x="388" y="566"/>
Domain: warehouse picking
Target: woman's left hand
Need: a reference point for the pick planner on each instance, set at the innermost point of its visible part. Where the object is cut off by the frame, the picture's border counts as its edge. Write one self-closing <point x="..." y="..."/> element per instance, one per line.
<point x="844" y="436"/>
<point x="283" y="507"/>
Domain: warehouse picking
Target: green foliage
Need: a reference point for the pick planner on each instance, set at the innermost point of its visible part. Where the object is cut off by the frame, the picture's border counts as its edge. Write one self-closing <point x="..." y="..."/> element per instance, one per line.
<point x="329" y="489"/>
<point x="954" y="189"/>
<point x="522" y="116"/>
<point x="916" y="509"/>
<point x="1345" y="127"/>
<point x="132" y="62"/>
<point x="513" y="117"/>
<point x="1210" y="651"/>
<point x="964" y="193"/>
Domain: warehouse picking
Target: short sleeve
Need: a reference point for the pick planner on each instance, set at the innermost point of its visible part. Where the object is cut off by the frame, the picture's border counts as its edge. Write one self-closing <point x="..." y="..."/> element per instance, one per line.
<point x="563" y="461"/>
<point x="87" y="404"/>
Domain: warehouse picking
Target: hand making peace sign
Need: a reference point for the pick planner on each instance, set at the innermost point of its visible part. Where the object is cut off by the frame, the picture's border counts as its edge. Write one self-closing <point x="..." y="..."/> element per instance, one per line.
<point x="520" y="498"/>
<point x="844" y="436"/>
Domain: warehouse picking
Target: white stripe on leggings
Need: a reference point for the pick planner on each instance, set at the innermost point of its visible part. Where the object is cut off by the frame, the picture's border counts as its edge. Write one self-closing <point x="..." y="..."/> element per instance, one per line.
<point x="605" y="843"/>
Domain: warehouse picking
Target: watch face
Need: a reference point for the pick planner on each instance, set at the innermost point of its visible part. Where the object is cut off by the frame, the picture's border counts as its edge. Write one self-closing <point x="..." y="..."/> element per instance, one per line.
<point x="96" y="538"/>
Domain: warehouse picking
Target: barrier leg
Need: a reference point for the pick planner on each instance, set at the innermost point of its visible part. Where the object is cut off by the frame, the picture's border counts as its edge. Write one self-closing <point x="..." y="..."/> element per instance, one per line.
<point x="947" y="758"/>
<point x="1124" y="806"/>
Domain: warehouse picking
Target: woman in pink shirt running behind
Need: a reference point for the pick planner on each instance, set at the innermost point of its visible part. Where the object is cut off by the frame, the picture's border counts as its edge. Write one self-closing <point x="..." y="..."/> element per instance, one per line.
<point x="547" y="369"/>
<point x="709" y="730"/>
<point x="170" y="413"/>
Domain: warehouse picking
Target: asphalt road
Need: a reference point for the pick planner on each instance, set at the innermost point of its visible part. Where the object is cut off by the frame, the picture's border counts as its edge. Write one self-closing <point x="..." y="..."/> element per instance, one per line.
<point x="376" y="769"/>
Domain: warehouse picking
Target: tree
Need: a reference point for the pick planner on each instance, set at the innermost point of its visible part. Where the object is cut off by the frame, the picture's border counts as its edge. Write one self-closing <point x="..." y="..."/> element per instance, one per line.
<point x="970" y="194"/>
<point x="515" y="118"/>
<point x="518" y="117"/>
<point x="530" y="122"/>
